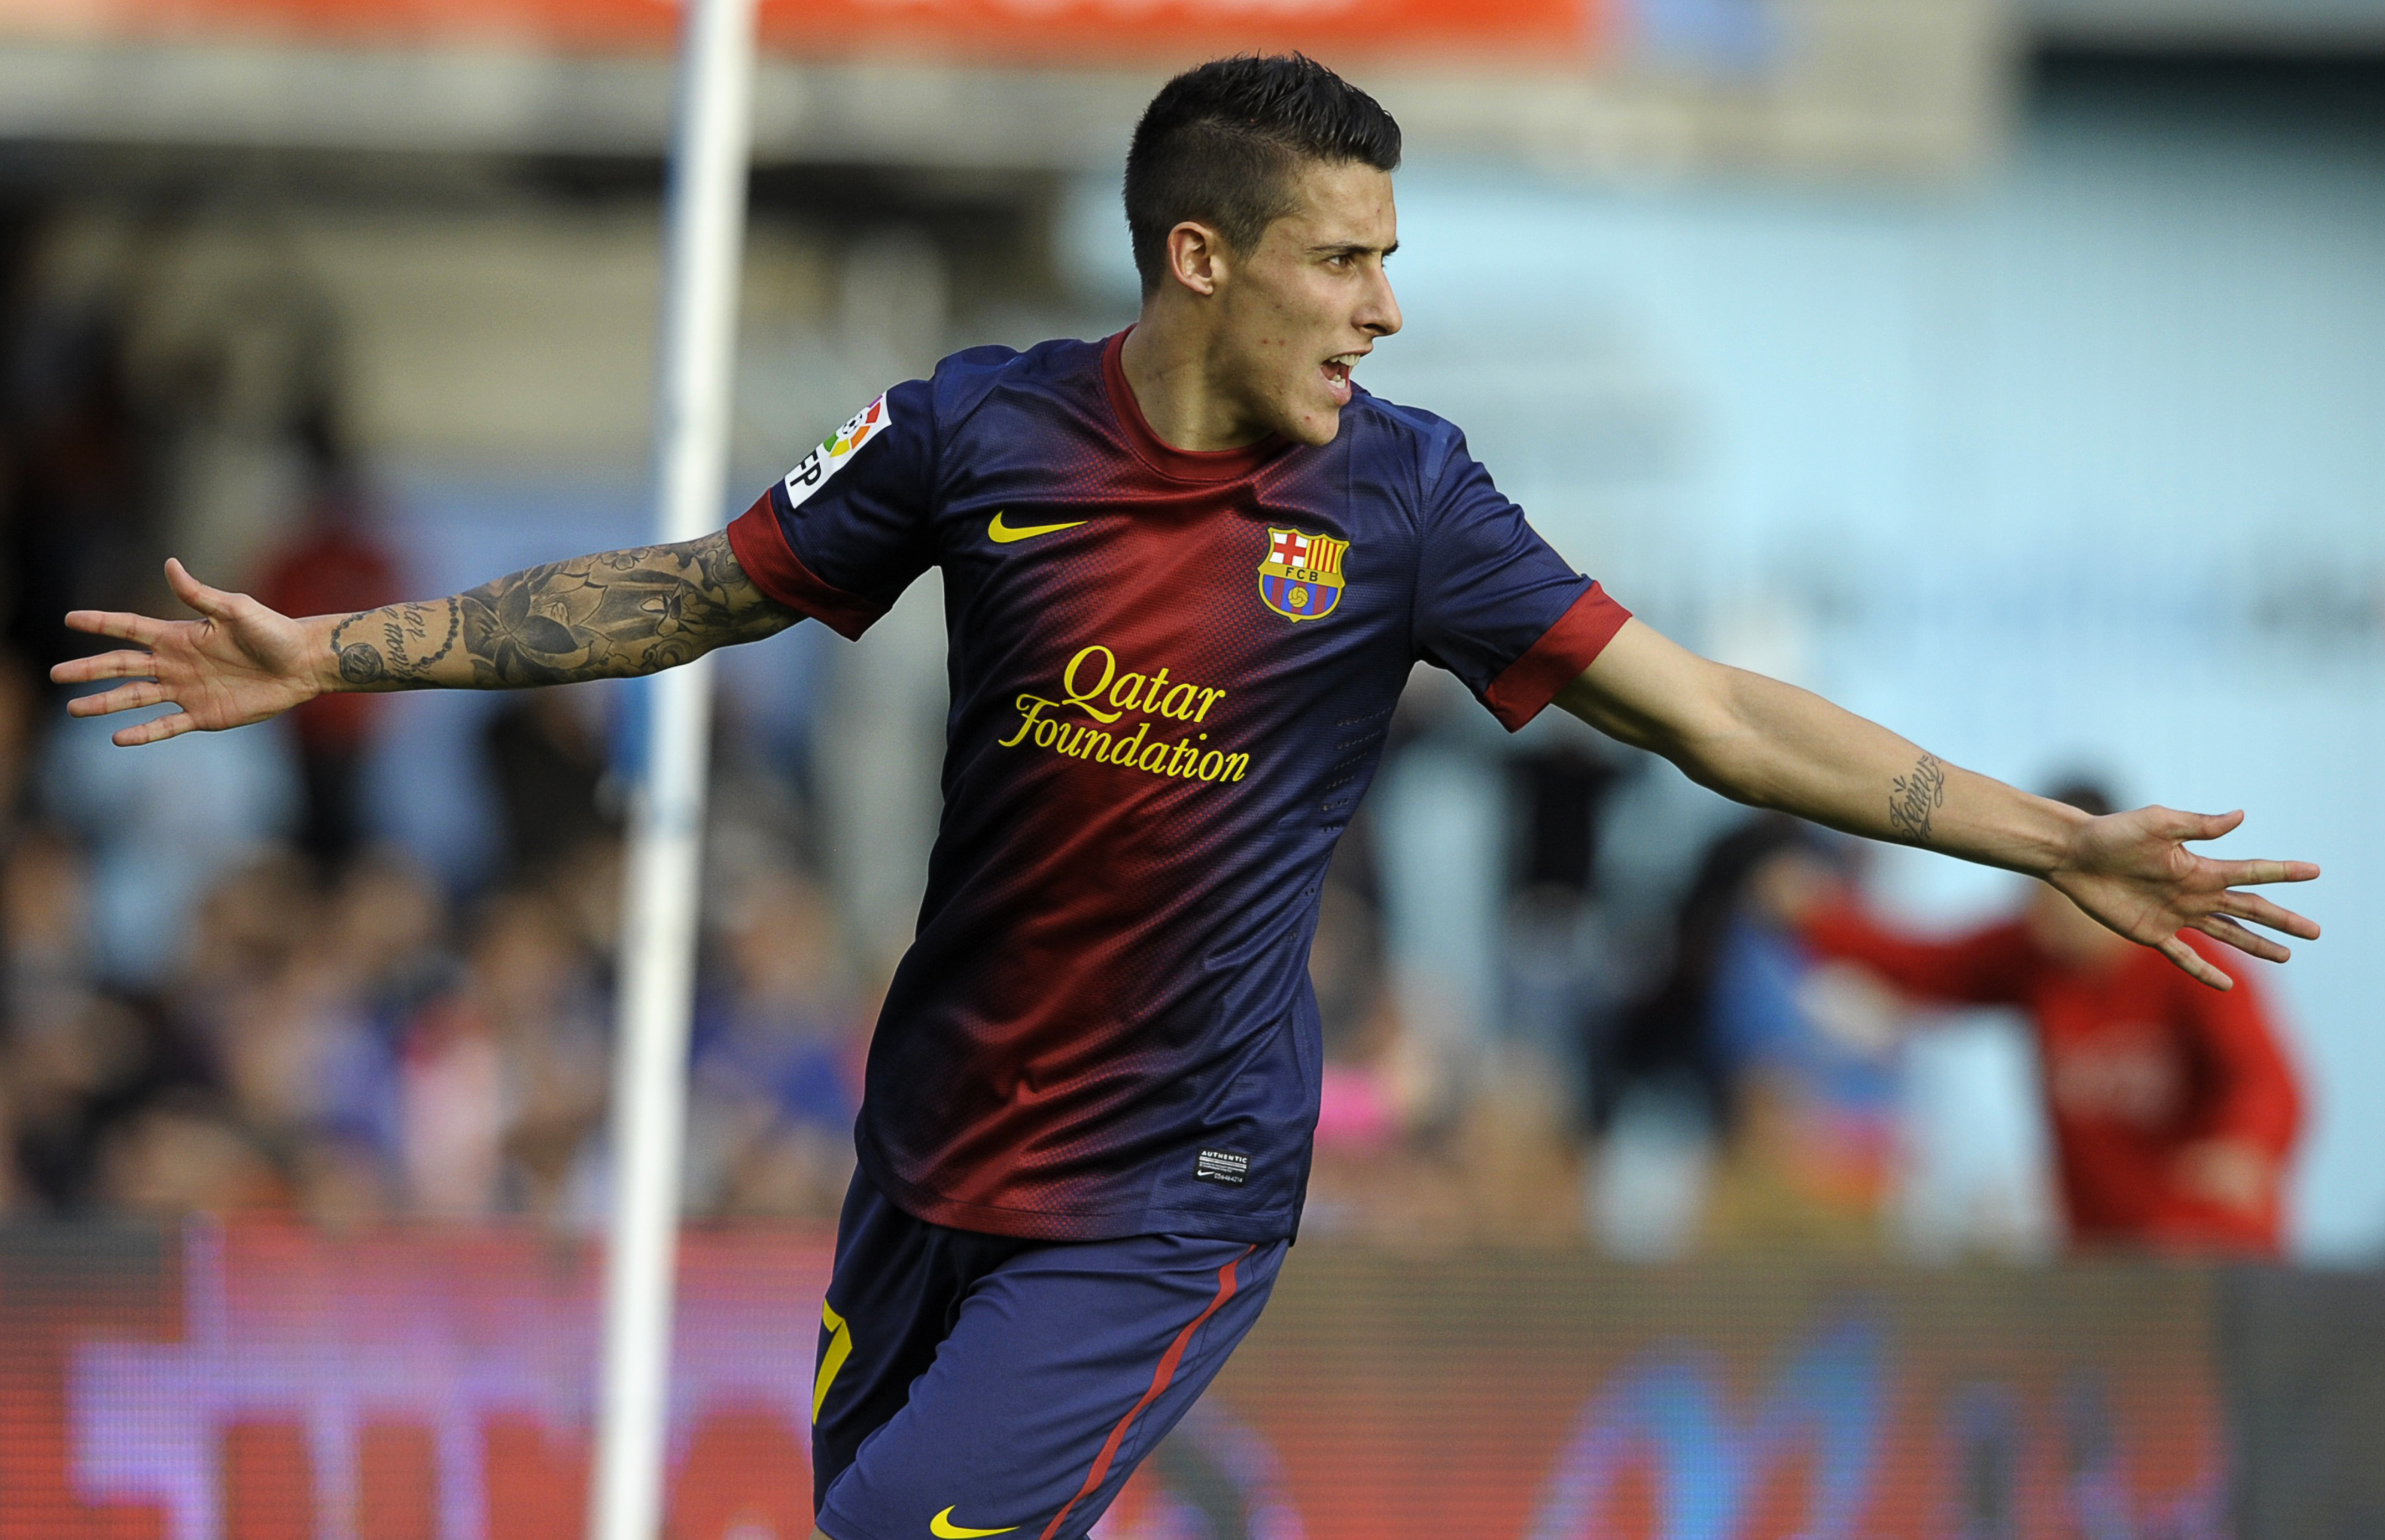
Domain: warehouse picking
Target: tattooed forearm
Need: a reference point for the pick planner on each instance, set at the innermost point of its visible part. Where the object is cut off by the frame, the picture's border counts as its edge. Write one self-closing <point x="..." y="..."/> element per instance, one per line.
<point x="1915" y="797"/>
<point x="621" y="613"/>
<point x="594" y="617"/>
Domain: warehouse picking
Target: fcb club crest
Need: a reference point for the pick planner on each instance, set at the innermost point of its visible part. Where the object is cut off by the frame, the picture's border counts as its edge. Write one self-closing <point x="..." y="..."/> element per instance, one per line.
<point x="1301" y="578"/>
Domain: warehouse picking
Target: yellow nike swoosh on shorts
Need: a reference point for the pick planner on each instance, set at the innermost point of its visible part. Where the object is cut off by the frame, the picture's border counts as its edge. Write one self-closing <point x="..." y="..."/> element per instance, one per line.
<point x="941" y="1525"/>
<point x="1003" y="534"/>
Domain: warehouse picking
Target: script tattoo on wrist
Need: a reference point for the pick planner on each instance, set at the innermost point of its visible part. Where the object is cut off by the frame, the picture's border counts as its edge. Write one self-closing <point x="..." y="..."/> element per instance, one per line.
<point x="1915" y="797"/>
<point x="396" y="646"/>
<point x="605" y="616"/>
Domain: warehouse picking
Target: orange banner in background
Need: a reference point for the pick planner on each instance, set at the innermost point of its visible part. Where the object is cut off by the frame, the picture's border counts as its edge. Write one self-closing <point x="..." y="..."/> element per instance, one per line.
<point x="1549" y="33"/>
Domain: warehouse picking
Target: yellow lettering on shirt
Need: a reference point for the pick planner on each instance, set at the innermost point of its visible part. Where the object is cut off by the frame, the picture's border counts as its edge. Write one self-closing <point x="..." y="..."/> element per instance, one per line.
<point x="1093" y="685"/>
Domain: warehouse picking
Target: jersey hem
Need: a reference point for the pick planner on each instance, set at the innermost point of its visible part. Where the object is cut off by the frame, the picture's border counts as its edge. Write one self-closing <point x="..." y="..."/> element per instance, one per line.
<point x="1526" y="687"/>
<point x="1035" y="1224"/>
<point x="770" y="560"/>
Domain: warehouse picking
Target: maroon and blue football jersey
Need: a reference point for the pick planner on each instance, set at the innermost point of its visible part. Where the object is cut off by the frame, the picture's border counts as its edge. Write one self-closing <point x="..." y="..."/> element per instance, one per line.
<point x="1171" y="677"/>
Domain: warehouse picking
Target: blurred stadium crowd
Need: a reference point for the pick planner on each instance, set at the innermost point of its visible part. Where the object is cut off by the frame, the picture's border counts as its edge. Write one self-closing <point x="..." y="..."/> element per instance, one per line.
<point x="220" y="994"/>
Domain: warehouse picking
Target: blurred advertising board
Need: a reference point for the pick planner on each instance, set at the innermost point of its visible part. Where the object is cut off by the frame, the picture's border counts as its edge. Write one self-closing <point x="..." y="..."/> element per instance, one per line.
<point x="255" y="1383"/>
<point x="1068" y="32"/>
<point x="1904" y="87"/>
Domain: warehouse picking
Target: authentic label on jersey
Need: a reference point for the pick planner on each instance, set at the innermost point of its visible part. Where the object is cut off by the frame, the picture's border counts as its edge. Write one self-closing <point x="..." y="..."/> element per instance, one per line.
<point x="1301" y="578"/>
<point x="811" y="473"/>
<point x="1228" y="1166"/>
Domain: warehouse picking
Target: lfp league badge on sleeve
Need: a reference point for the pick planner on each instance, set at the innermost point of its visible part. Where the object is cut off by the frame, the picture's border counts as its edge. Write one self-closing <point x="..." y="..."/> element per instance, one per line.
<point x="1301" y="578"/>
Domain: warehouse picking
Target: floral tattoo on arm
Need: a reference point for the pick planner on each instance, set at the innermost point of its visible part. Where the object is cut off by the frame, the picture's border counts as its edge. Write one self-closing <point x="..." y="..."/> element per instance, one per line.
<point x="604" y="616"/>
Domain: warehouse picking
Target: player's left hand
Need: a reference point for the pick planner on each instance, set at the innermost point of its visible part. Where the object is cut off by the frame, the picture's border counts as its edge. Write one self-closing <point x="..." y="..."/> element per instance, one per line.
<point x="2133" y="872"/>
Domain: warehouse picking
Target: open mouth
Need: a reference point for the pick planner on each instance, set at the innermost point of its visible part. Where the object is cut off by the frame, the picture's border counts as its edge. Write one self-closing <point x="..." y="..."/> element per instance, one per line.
<point x="1336" y="371"/>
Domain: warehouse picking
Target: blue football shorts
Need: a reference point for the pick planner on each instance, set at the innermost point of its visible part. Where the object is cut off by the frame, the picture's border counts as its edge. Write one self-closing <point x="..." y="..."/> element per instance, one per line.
<point x="975" y="1385"/>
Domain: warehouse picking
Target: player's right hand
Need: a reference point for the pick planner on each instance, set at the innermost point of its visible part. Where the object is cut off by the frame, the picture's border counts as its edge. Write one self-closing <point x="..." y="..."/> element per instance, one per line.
<point x="238" y="662"/>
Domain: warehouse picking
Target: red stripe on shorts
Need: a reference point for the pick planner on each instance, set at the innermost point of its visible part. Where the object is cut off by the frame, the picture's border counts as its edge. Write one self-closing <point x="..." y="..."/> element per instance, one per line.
<point x="1159" y="1379"/>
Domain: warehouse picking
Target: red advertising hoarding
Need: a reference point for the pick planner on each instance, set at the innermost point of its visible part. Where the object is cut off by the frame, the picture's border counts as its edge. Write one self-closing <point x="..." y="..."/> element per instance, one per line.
<point x="1549" y="33"/>
<point x="276" y="1384"/>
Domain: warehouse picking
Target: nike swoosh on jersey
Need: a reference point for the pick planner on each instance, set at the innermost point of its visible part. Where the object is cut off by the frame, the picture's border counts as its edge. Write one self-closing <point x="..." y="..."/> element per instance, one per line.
<point x="1004" y="534"/>
<point x="941" y="1525"/>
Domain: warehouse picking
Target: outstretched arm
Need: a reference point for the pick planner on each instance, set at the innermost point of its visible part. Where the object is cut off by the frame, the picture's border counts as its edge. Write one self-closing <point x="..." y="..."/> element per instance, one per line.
<point x="1760" y="741"/>
<point x="594" y="617"/>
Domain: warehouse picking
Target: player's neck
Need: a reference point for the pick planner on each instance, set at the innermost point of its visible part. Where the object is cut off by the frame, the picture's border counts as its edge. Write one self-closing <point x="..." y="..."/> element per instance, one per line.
<point x="1171" y="368"/>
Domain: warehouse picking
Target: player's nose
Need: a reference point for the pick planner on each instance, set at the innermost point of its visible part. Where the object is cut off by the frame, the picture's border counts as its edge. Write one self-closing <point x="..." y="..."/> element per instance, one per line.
<point x="1378" y="312"/>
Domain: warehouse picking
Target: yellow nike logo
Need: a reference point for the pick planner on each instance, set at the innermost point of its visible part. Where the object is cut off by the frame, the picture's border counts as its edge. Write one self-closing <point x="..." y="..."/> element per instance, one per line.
<point x="1004" y="534"/>
<point x="941" y="1525"/>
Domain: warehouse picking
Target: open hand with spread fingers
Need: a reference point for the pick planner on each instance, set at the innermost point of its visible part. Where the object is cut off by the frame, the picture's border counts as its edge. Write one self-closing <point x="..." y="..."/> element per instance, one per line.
<point x="2133" y="872"/>
<point x="238" y="662"/>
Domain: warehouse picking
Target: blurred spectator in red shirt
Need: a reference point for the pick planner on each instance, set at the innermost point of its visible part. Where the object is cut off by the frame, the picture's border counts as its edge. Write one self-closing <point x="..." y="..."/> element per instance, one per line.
<point x="2173" y="1108"/>
<point x="331" y="566"/>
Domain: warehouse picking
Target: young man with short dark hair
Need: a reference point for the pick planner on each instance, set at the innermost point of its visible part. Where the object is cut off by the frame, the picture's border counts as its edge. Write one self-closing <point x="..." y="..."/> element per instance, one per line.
<point x="1187" y="571"/>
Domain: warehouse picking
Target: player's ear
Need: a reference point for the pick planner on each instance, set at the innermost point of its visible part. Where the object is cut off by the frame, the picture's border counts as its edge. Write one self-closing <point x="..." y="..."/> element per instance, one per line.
<point x="1195" y="256"/>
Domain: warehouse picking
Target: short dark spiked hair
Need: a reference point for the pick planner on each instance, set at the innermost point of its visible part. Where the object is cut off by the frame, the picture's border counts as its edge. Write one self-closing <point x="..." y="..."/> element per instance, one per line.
<point x="1221" y="144"/>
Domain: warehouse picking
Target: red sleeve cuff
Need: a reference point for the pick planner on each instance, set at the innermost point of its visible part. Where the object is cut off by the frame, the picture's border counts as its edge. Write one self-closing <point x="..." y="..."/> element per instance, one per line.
<point x="762" y="550"/>
<point x="1557" y="660"/>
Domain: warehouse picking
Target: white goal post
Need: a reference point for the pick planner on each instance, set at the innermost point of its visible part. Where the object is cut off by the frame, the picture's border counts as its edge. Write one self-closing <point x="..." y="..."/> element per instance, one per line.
<point x="704" y="238"/>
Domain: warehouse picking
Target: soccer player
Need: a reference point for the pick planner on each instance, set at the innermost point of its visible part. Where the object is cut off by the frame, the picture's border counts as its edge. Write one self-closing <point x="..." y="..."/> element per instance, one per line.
<point x="1186" y="573"/>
